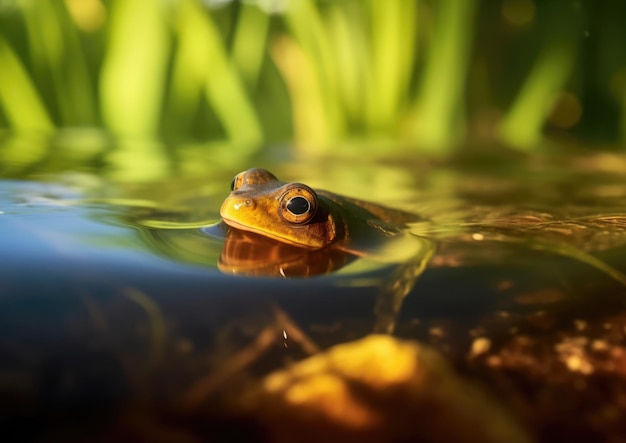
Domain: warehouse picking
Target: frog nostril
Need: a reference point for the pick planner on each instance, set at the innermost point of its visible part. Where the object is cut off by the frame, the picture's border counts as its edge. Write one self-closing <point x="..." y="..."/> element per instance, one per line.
<point x="247" y="203"/>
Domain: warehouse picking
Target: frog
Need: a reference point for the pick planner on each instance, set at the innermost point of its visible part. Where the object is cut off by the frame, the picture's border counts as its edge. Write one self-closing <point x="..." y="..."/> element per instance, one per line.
<point x="297" y="215"/>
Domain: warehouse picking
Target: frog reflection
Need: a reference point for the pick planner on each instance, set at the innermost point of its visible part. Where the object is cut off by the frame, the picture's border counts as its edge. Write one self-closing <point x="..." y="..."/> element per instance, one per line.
<point x="246" y="253"/>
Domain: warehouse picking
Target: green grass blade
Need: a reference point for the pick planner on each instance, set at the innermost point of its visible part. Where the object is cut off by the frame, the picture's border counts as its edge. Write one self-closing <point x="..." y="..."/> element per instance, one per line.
<point x="226" y="93"/>
<point x="203" y="67"/>
<point x="349" y="54"/>
<point x="523" y="123"/>
<point x="250" y="41"/>
<point x="440" y="104"/>
<point x="309" y="114"/>
<point x="305" y="23"/>
<point x="19" y="98"/>
<point x="135" y="67"/>
<point x="189" y="69"/>
<point x="78" y="82"/>
<point x="393" y="52"/>
<point x="55" y="45"/>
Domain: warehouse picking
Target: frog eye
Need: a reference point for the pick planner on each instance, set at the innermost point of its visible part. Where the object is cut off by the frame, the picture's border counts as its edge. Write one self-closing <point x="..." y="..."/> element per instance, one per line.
<point x="298" y="204"/>
<point x="236" y="183"/>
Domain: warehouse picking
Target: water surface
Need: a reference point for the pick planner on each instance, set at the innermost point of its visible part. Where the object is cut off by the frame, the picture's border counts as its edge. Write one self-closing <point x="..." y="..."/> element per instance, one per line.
<point x="112" y="283"/>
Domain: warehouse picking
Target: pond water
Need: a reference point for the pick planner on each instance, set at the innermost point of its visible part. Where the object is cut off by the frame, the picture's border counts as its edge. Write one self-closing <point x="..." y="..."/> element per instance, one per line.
<point x="117" y="285"/>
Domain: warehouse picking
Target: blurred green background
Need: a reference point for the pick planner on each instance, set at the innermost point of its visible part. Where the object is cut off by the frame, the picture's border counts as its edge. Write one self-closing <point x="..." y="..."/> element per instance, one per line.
<point x="428" y="76"/>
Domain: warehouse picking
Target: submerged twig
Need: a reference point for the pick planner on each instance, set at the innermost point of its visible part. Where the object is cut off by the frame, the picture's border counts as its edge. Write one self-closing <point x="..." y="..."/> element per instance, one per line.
<point x="208" y="384"/>
<point x="155" y="318"/>
<point x="295" y="332"/>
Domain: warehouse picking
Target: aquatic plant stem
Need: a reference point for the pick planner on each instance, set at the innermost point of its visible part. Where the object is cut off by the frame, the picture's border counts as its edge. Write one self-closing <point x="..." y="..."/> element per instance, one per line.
<point x="58" y="56"/>
<point x="249" y="42"/>
<point x="393" y="53"/>
<point x="132" y="81"/>
<point x="18" y="96"/>
<point x="522" y="126"/>
<point x="439" y="107"/>
<point x="309" y="55"/>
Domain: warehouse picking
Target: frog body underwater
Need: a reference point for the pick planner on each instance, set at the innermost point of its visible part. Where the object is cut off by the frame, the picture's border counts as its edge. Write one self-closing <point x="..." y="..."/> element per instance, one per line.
<point x="297" y="215"/>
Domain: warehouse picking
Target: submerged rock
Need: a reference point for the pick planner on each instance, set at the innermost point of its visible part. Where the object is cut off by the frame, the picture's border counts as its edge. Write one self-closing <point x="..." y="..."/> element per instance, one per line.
<point x="378" y="389"/>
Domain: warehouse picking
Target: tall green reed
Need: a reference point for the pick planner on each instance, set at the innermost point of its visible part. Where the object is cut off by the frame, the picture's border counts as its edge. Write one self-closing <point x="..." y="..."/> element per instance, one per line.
<point x="380" y="74"/>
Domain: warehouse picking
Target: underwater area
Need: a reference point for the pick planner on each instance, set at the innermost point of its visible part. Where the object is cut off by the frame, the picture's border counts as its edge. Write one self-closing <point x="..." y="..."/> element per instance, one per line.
<point x="374" y="221"/>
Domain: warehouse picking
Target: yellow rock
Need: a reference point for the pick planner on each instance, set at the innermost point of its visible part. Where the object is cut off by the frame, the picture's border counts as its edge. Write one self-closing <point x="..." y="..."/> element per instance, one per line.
<point x="377" y="389"/>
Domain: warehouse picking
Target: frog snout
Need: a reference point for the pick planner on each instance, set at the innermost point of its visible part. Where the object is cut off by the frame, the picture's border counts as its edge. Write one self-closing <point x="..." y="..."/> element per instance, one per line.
<point x="244" y="203"/>
<point x="236" y="203"/>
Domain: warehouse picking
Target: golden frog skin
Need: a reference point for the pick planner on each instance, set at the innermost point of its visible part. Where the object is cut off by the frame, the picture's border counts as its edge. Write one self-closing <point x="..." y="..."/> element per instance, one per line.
<point x="297" y="215"/>
<point x="245" y="253"/>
